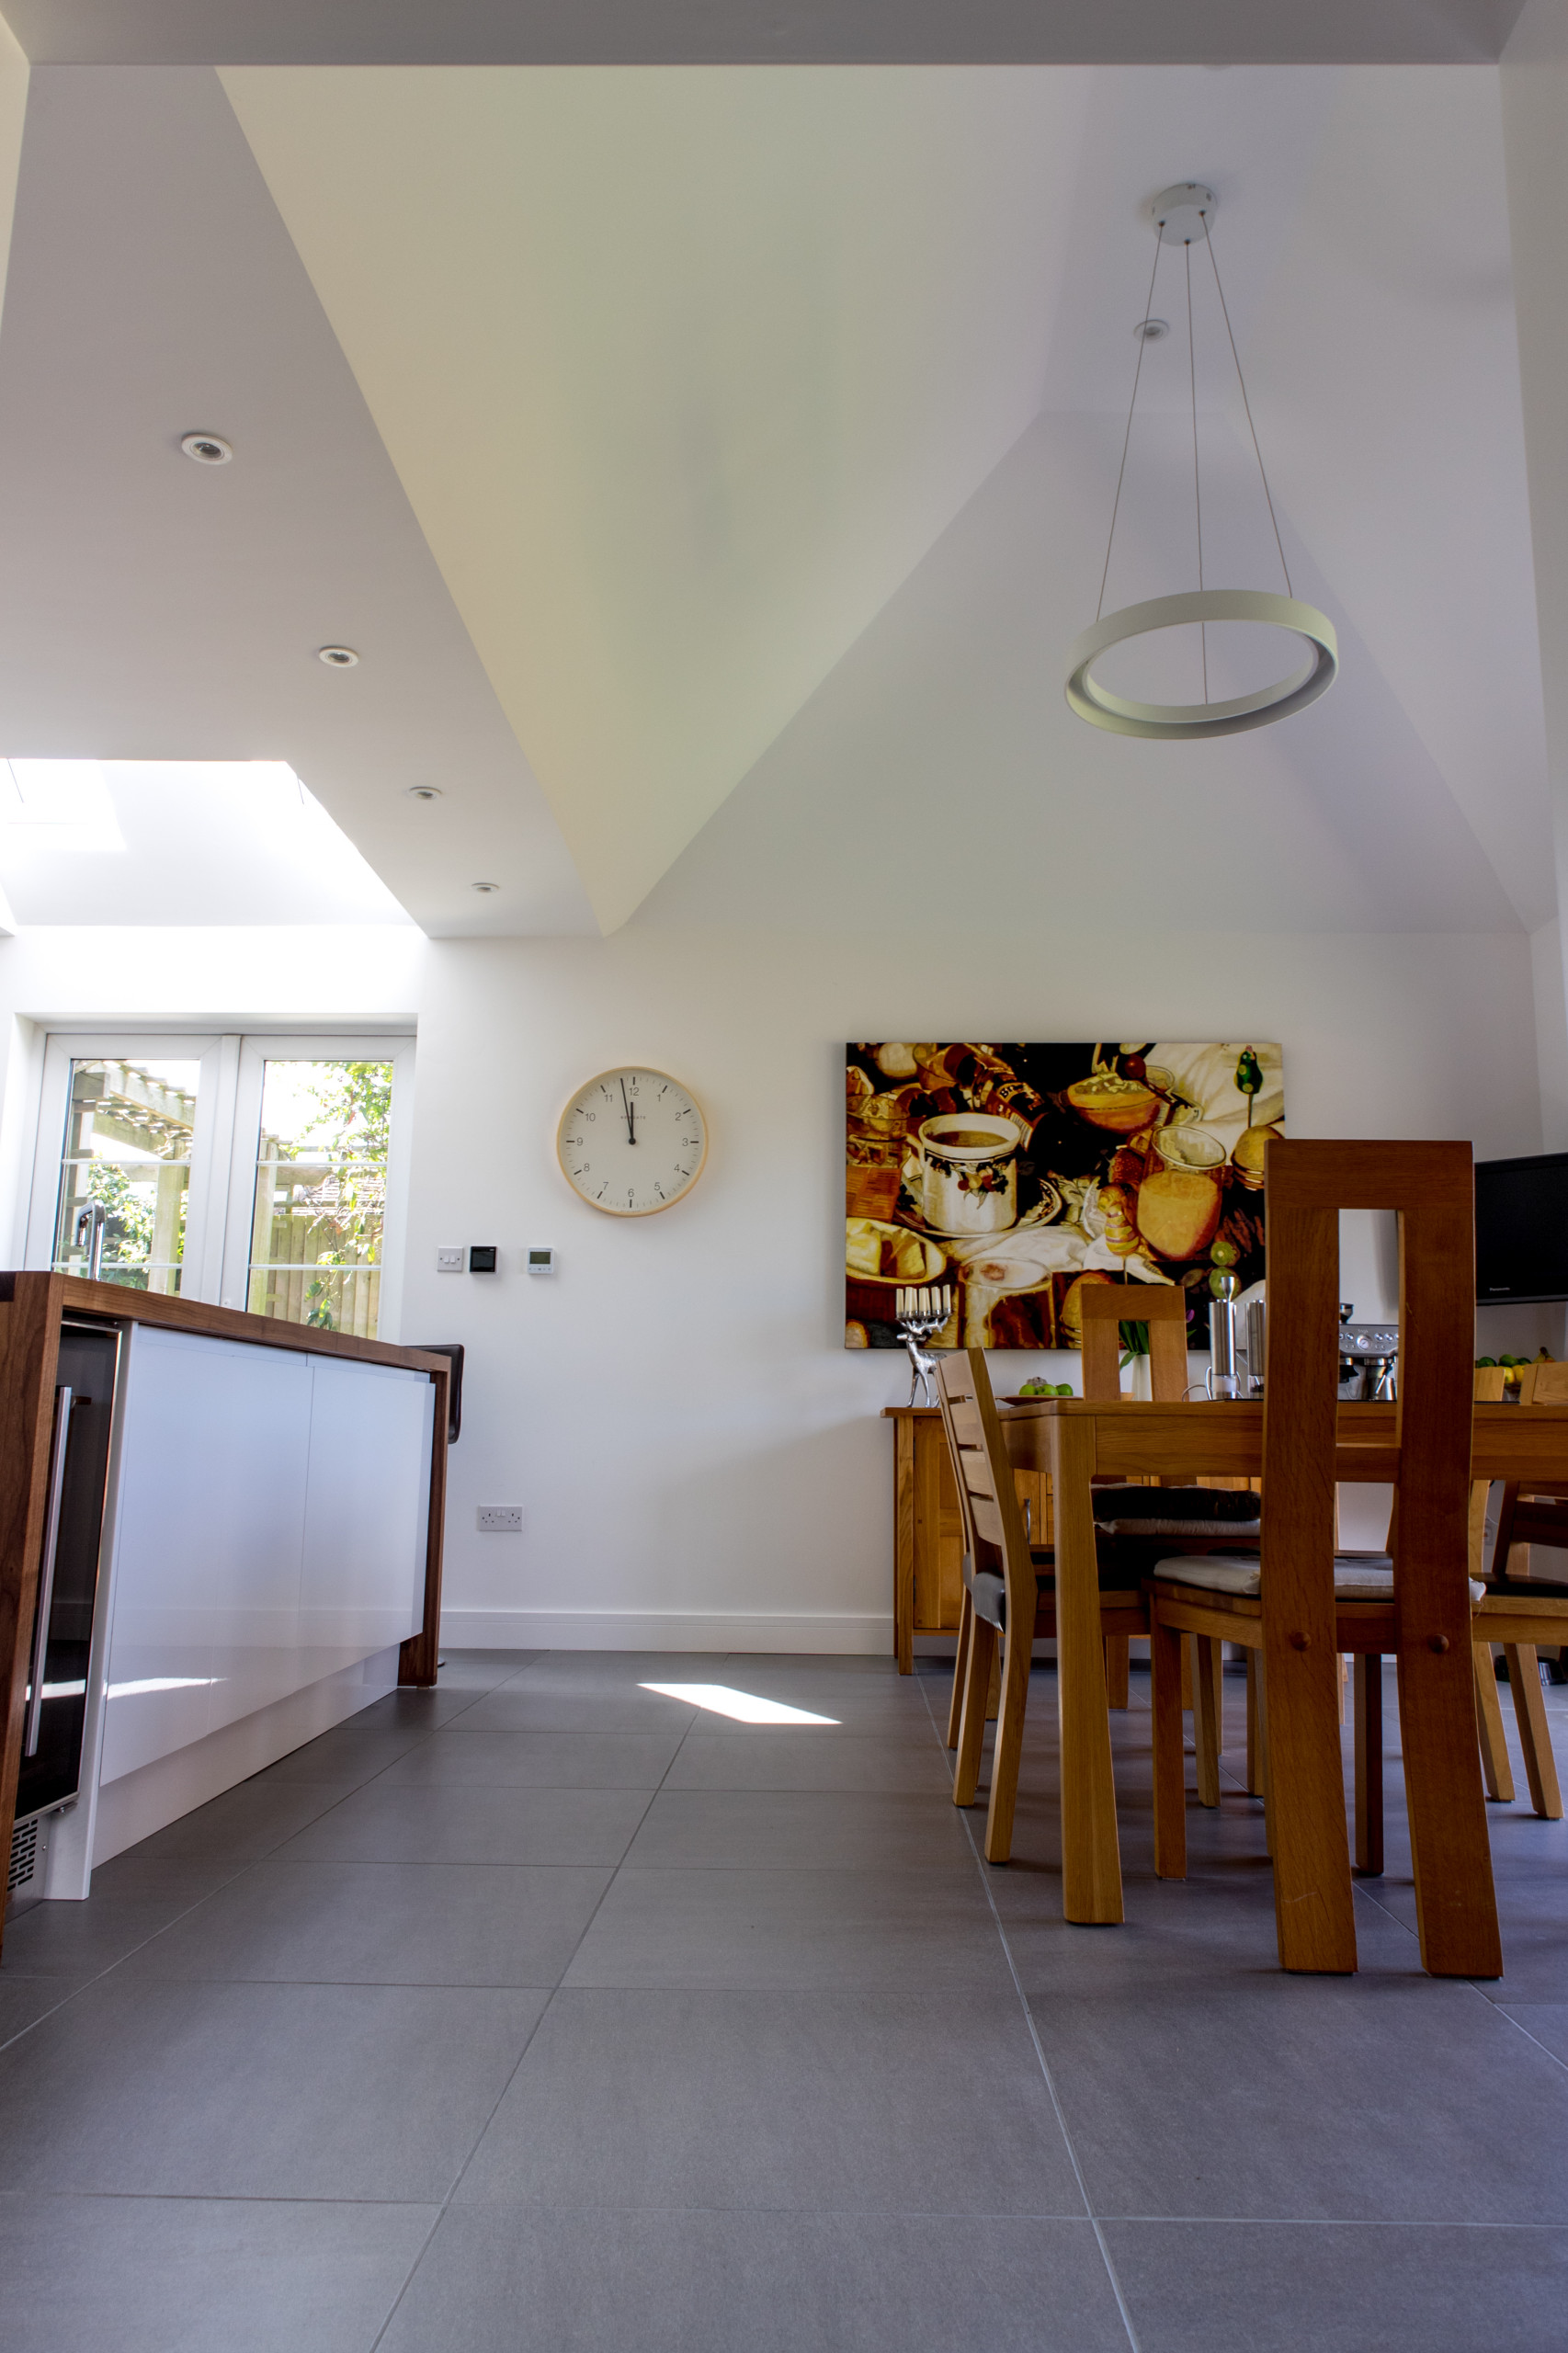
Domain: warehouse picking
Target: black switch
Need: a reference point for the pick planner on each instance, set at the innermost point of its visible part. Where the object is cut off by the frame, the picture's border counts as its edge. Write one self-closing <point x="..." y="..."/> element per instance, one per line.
<point x="481" y="1259"/>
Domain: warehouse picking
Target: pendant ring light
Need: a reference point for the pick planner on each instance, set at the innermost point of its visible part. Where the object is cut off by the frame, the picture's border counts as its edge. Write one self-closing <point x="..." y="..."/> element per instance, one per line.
<point x="1183" y="216"/>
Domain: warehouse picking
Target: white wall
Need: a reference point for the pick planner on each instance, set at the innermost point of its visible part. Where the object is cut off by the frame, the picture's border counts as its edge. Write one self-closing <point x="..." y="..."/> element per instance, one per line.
<point x="697" y="1457"/>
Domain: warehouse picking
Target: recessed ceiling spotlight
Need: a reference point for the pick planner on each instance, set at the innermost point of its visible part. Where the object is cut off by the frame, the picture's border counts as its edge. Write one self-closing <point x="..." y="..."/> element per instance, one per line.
<point x="337" y="657"/>
<point x="484" y="888"/>
<point x="207" y="448"/>
<point x="425" y="792"/>
<point x="1151" y="330"/>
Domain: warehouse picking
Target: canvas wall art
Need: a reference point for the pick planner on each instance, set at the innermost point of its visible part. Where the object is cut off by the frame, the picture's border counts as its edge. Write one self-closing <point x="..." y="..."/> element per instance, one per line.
<point x="1016" y="1173"/>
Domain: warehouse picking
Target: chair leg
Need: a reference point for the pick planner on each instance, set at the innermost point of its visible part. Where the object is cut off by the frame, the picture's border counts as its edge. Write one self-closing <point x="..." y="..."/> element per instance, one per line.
<point x="1205" y="1720"/>
<point x="961" y="1668"/>
<point x="1255" y="1737"/>
<point x="1369" y="1702"/>
<point x="1165" y="1648"/>
<point x="1535" y="1738"/>
<point x="1007" y="1754"/>
<point x="1189" y="1645"/>
<point x="1116" y="1650"/>
<point x="1266" y="1778"/>
<point x="994" y="1688"/>
<point x="1494" y="1765"/>
<point x="971" y="1715"/>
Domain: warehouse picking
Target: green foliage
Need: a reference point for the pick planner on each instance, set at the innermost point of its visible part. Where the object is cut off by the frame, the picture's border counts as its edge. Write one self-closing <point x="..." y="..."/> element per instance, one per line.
<point x="128" y="1228"/>
<point x="352" y="1123"/>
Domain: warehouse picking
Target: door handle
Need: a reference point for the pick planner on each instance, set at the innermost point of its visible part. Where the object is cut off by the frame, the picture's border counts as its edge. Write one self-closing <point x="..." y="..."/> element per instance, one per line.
<point x="46" y="1571"/>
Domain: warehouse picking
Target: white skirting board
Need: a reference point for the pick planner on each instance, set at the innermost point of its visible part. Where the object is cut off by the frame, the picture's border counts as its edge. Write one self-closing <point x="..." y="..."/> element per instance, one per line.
<point x="138" y="1803"/>
<point x="838" y="1632"/>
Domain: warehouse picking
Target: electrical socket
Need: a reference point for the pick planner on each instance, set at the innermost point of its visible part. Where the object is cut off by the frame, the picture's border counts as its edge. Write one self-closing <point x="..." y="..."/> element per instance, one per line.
<point x="500" y="1518"/>
<point x="450" y="1262"/>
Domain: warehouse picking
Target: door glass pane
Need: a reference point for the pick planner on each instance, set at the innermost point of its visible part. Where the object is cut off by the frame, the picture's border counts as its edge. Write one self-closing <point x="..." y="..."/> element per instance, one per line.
<point x="320" y="1191"/>
<point x="128" y="1135"/>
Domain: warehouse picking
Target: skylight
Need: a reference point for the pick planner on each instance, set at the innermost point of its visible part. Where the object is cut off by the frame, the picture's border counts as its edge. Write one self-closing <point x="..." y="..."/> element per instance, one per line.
<point x="173" y="842"/>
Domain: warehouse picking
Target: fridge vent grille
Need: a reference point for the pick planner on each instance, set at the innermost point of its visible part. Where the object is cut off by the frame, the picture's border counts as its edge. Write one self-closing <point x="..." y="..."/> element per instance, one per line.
<point x="24" y="1855"/>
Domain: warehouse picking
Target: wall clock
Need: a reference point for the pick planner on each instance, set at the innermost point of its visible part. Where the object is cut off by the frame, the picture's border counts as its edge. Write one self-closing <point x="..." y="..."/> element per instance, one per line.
<point x="631" y="1142"/>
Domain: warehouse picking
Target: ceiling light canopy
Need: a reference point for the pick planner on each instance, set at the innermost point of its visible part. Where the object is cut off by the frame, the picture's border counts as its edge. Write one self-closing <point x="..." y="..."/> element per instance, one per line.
<point x="207" y="448"/>
<point x="337" y="657"/>
<point x="1184" y="216"/>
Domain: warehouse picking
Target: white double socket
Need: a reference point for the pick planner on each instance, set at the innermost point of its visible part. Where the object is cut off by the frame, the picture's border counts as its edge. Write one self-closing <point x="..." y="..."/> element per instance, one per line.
<point x="500" y="1519"/>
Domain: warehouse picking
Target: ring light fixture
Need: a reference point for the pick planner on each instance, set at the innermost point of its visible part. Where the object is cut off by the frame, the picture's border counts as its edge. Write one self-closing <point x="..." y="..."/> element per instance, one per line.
<point x="1184" y="216"/>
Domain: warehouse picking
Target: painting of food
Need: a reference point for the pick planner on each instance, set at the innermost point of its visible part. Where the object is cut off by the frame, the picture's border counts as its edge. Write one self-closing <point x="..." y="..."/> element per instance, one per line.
<point x="1016" y="1175"/>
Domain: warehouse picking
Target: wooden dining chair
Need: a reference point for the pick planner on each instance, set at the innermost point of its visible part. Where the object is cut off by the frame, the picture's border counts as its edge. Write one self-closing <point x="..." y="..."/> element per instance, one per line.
<point x="1307" y="1606"/>
<point x="1012" y="1587"/>
<point x="1522" y="1609"/>
<point x="1013" y="1595"/>
<point x="1164" y="1309"/>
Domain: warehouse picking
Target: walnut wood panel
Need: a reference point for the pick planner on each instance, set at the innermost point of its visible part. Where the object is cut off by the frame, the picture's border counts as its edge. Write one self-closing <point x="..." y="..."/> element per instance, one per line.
<point x="29" y="1354"/>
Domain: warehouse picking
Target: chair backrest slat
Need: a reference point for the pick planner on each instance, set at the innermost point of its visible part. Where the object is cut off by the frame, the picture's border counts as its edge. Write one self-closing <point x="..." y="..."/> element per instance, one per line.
<point x="1105" y="1308"/>
<point x="996" y="1515"/>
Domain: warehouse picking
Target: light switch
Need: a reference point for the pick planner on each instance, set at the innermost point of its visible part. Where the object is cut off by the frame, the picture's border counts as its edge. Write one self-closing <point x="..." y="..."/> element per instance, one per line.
<point x="450" y="1262"/>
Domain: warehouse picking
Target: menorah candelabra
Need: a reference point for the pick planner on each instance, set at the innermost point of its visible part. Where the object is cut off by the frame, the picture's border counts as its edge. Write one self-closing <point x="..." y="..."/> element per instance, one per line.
<point x="922" y="1310"/>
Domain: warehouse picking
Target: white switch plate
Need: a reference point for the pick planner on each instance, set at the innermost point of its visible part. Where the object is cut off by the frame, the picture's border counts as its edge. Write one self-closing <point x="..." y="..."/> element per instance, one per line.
<point x="450" y="1262"/>
<point x="502" y="1519"/>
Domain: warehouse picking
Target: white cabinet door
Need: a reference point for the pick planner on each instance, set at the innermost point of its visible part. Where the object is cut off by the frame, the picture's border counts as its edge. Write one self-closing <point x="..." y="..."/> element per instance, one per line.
<point x="210" y="1542"/>
<point x="363" y="1586"/>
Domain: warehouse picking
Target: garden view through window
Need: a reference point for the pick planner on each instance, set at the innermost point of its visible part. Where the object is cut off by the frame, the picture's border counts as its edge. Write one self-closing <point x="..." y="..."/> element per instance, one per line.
<point x="129" y="1128"/>
<point x="305" y="1179"/>
<point x="321" y="1194"/>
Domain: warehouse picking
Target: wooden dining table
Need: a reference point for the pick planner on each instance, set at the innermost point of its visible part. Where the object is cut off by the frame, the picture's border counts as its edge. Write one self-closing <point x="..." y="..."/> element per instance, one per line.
<point x="1077" y="1442"/>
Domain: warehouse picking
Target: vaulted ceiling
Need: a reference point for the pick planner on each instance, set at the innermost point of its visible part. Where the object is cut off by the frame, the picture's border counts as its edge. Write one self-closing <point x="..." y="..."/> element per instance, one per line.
<point x="710" y="461"/>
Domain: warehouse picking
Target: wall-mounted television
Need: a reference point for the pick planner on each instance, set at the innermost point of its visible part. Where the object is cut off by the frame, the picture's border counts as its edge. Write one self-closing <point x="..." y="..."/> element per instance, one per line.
<point x="1521" y="1228"/>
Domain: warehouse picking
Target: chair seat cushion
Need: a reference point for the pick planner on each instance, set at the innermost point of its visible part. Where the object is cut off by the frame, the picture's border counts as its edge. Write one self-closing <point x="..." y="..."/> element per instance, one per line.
<point x="1357" y="1576"/>
<point x="1155" y="1508"/>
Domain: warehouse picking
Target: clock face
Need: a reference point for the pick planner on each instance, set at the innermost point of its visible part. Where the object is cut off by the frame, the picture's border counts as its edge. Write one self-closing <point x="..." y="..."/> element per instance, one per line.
<point x="631" y="1142"/>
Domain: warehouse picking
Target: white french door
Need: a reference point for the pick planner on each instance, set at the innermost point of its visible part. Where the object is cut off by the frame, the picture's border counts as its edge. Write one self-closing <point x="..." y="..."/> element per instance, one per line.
<point x="264" y="1172"/>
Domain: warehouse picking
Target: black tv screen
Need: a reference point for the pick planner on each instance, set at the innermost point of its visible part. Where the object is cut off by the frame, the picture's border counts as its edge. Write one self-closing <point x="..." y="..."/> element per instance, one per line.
<point x="1521" y="1228"/>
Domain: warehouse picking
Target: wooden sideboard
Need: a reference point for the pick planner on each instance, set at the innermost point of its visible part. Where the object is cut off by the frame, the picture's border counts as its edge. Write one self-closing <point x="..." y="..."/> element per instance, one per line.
<point x="928" y="1548"/>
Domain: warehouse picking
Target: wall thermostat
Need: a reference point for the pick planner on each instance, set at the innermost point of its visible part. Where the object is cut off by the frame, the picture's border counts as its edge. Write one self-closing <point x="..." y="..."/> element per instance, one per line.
<point x="481" y="1259"/>
<point x="541" y="1262"/>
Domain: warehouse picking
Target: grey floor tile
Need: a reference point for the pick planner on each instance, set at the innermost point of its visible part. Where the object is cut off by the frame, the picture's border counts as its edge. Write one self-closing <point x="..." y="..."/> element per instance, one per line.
<point x="843" y="2103"/>
<point x="153" y="1877"/>
<point x="77" y="1940"/>
<point x="849" y="1706"/>
<point x="797" y="1829"/>
<point x="501" y="2280"/>
<point x="25" y="2000"/>
<point x="1283" y="2287"/>
<point x="351" y="1754"/>
<point x="415" y="1710"/>
<point x="482" y="1670"/>
<point x="241" y="1825"/>
<point x="1546" y="2023"/>
<point x="388" y="1924"/>
<point x="897" y="1930"/>
<point x="539" y="1760"/>
<point x="604" y="1670"/>
<point x="768" y="1760"/>
<point x="564" y="1706"/>
<point x="1378" y="2099"/>
<point x="455" y="1824"/>
<point x="258" y="2091"/>
<point x="152" y="2275"/>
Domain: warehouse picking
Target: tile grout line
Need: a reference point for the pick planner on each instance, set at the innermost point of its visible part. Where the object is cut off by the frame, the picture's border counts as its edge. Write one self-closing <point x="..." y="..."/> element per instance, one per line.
<point x="1039" y="2055"/>
<point x="460" y="2175"/>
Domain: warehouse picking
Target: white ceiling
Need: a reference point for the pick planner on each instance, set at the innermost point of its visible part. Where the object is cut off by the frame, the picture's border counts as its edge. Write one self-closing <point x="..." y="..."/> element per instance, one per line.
<point x="657" y="433"/>
<point x="686" y="32"/>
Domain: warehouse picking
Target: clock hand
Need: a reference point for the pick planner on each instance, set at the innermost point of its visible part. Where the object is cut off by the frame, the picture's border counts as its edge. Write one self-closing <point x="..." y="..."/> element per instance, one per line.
<point x="630" y="1116"/>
